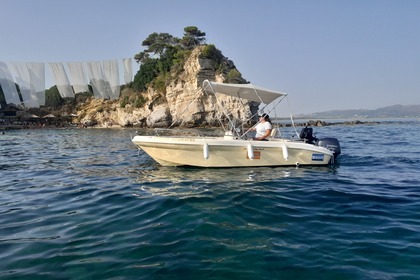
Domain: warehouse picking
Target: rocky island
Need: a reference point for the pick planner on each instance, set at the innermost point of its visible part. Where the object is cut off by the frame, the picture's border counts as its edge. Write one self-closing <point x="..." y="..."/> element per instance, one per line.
<point x="181" y="102"/>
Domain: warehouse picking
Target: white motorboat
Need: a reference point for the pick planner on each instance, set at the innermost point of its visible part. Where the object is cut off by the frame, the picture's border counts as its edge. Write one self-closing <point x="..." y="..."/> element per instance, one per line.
<point x="235" y="148"/>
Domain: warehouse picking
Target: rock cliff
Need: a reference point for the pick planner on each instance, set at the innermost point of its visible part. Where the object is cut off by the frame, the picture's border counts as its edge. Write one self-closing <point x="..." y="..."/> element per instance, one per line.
<point x="183" y="104"/>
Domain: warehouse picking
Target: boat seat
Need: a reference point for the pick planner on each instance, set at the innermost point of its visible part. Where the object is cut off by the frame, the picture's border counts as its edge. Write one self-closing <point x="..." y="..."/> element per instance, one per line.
<point x="274" y="133"/>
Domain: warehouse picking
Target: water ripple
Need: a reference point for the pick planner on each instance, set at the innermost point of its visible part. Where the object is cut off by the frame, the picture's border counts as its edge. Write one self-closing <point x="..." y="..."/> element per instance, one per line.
<point x="84" y="204"/>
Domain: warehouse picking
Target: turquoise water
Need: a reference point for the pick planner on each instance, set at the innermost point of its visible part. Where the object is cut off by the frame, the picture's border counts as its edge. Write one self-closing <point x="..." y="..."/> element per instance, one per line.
<point x="84" y="204"/>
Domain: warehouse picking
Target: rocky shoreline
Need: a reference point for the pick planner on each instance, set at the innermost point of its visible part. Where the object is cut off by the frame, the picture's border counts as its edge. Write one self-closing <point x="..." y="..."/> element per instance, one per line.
<point x="57" y="125"/>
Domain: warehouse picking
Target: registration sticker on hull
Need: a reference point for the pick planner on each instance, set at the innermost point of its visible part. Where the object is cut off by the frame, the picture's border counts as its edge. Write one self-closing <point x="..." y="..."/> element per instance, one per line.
<point x="257" y="155"/>
<point x="318" y="157"/>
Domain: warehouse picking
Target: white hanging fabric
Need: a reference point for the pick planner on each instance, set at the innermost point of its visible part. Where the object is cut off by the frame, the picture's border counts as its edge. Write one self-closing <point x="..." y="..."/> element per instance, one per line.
<point x="8" y="85"/>
<point x="61" y="80"/>
<point x="97" y="79"/>
<point x="128" y="70"/>
<point x="37" y="81"/>
<point x="104" y="77"/>
<point x="111" y="75"/>
<point x="21" y="75"/>
<point x="77" y="77"/>
<point x="23" y="79"/>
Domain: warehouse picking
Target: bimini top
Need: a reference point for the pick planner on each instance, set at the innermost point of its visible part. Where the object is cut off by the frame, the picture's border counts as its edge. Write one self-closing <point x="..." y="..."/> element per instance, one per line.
<point x="245" y="91"/>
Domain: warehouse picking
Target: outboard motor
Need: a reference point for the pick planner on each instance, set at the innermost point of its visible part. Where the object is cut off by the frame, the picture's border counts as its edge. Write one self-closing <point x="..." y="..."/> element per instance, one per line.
<point x="331" y="144"/>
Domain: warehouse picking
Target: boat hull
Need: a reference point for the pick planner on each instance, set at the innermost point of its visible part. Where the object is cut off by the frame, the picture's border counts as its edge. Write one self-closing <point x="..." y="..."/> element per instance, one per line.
<point x="220" y="152"/>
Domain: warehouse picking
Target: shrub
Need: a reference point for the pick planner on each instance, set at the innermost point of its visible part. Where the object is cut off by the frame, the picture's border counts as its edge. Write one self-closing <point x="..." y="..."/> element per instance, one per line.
<point x="146" y="74"/>
<point x="124" y="102"/>
<point x="53" y="97"/>
<point x="159" y="84"/>
<point x="233" y="75"/>
<point x="211" y="52"/>
<point x="140" y="101"/>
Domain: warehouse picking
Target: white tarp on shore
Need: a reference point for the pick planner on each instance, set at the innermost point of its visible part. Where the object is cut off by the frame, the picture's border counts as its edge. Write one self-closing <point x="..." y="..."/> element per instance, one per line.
<point x="8" y="85"/>
<point x="30" y="77"/>
<point x="103" y="76"/>
<point x="77" y="77"/>
<point x="128" y="70"/>
<point x="112" y="77"/>
<point x="61" y="80"/>
<point x="97" y="80"/>
<point x="37" y="75"/>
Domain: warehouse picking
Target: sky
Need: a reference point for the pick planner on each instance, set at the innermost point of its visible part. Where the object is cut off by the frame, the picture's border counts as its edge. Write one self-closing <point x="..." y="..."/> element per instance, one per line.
<point x="326" y="54"/>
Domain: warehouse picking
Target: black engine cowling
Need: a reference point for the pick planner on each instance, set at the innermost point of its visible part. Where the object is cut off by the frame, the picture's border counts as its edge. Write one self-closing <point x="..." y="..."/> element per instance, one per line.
<point x="306" y="134"/>
<point x="331" y="144"/>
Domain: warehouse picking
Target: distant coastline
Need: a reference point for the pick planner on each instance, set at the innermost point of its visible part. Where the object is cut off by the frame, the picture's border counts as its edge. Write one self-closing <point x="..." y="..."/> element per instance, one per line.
<point x="395" y="111"/>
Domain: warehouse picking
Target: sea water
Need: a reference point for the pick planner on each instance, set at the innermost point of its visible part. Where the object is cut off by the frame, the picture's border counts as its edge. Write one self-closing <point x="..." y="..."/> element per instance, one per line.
<point x="85" y="204"/>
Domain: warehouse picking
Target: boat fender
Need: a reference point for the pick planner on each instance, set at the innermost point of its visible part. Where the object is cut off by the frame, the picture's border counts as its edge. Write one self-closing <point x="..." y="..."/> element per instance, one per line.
<point x="285" y="151"/>
<point x="250" y="150"/>
<point x="206" y="151"/>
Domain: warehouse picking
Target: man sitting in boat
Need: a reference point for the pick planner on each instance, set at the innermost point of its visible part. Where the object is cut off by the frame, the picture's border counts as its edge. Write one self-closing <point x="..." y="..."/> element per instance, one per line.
<point x="263" y="128"/>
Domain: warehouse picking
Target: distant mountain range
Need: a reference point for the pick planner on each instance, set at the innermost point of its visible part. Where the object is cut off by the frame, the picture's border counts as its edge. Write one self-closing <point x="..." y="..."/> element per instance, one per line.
<point x="395" y="111"/>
